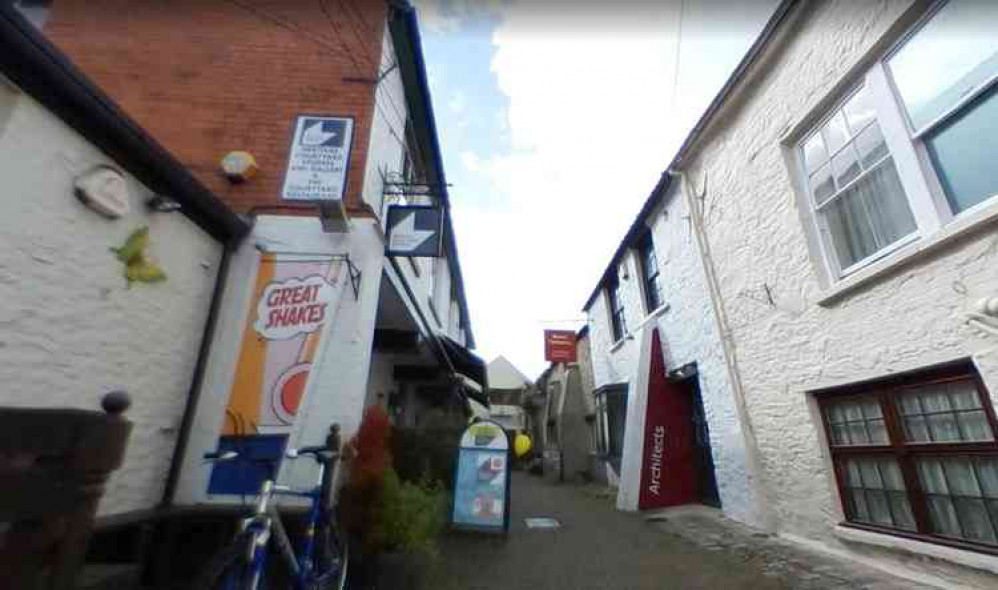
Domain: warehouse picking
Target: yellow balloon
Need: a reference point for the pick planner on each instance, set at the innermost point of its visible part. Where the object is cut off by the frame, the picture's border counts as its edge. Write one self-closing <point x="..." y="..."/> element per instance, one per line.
<point x="521" y="445"/>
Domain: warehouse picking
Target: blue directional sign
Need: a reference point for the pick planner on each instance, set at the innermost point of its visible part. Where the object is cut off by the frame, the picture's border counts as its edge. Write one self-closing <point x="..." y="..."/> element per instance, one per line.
<point x="414" y="231"/>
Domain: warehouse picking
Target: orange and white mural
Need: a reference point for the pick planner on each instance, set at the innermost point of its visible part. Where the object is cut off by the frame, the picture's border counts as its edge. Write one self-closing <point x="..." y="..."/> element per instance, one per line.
<point x="293" y="301"/>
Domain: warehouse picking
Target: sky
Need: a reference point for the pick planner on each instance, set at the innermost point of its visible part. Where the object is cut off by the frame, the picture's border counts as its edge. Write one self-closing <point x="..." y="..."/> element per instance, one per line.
<point x="556" y="119"/>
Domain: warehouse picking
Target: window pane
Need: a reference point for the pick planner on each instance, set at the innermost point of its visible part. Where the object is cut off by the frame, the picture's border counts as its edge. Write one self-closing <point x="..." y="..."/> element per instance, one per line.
<point x="963" y="395"/>
<point x="963" y="149"/>
<point x="943" y="428"/>
<point x="853" y="477"/>
<point x="835" y="132"/>
<point x="931" y="476"/>
<point x="871" y="146"/>
<point x="872" y="214"/>
<point x="857" y="433"/>
<point x="943" y="516"/>
<point x="814" y="153"/>
<point x="878" y="432"/>
<point x="846" y="166"/>
<point x="821" y="185"/>
<point x="934" y="399"/>
<point x="903" y="516"/>
<point x="987" y="474"/>
<point x="909" y="404"/>
<point x="860" y="510"/>
<point x="839" y="435"/>
<point x="859" y="110"/>
<point x="836" y="414"/>
<point x="892" y="475"/>
<point x="915" y="429"/>
<point x="871" y="409"/>
<point x="950" y="56"/>
<point x="960" y="477"/>
<point x="974" y="517"/>
<point x="975" y="426"/>
<point x="880" y="513"/>
<point x="871" y="475"/>
<point x="853" y="411"/>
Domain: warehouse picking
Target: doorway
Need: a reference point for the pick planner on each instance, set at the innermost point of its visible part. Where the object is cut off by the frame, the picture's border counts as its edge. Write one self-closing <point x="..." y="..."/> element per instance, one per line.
<point x="703" y="459"/>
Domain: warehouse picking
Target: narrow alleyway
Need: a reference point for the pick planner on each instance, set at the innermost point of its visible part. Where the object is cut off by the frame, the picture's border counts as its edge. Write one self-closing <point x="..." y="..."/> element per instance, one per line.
<point x="597" y="547"/>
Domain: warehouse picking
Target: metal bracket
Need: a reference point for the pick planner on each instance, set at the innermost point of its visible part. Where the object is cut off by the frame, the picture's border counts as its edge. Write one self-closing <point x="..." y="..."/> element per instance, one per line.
<point x="354" y="272"/>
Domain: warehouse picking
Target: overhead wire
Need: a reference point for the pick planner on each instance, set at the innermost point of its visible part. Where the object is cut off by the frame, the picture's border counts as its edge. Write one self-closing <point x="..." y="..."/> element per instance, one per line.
<point x="679" y="48"/>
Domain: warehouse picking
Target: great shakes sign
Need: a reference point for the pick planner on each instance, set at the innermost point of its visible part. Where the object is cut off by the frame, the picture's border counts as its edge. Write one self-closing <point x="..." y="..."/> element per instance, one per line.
<point x="292" y="307"/>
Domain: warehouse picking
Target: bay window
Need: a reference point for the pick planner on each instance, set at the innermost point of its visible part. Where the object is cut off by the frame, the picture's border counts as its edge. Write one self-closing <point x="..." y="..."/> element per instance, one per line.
<point x="917" y="456"/>
<point x="910" y="146"/>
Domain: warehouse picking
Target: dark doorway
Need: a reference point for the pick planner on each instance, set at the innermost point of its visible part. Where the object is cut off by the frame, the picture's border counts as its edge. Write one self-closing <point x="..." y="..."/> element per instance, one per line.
<point x="688" y="378"/>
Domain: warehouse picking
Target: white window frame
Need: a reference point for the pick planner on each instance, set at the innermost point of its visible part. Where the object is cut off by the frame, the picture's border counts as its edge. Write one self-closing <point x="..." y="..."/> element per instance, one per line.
<point x="919" y="178"/>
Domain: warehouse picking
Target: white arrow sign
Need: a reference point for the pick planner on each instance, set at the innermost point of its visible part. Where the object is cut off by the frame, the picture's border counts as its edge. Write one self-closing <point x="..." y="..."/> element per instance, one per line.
<point x="405" y="237"/>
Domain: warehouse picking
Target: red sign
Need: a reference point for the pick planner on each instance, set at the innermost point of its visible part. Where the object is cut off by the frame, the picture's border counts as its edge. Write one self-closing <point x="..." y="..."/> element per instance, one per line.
<point x="559" y="346"/>
<point x="668" y="475"/>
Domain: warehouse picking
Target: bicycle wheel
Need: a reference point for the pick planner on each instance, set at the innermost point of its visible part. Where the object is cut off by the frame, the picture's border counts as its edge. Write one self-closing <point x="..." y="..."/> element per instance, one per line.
<point x="229" y="569"/>
<point x="332" y="559"/>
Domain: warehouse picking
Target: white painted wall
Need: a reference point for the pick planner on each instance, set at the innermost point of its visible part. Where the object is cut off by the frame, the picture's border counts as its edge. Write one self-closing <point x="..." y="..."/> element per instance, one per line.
<point x="70" y="329"/>
<point x="902" y="321"/>
<point x="689" y="334"/>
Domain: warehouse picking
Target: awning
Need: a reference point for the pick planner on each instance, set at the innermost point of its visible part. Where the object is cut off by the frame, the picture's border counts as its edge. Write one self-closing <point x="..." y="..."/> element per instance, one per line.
<point x="469" y="365"/>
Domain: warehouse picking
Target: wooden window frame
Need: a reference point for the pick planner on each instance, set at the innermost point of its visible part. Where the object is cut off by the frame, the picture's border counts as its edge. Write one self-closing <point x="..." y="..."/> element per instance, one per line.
<point x="618" y="321"/>
<point x="886" y="392"/>
<point x="649" y="276"/>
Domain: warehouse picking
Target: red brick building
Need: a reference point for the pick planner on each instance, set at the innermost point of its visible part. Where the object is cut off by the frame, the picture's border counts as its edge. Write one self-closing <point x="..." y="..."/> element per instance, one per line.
<point x="207" y="78"/>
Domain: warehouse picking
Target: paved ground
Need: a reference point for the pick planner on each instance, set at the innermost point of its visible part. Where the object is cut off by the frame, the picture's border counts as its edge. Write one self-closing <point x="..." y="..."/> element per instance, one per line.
<point x="597" y="547"/>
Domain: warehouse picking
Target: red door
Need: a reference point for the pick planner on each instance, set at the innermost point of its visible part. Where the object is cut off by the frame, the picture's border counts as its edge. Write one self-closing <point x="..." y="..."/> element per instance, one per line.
<point x="668" y="472"/>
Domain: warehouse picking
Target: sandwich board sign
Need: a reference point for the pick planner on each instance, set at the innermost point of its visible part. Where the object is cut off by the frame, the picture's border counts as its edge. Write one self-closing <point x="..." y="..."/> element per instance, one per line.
<point x="414" y="231"/>
<point x="481" y="486"/>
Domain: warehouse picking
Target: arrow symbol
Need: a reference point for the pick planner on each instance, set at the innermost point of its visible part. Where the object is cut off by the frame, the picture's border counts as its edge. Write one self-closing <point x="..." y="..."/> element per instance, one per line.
<point x="408" y="236"/>
<point x="314" y="135"/>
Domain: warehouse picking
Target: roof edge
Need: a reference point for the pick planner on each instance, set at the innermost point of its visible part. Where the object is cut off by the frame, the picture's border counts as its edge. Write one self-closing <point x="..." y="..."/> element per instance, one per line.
<point x="741" y="70"/>
<point x="43" y="72"/>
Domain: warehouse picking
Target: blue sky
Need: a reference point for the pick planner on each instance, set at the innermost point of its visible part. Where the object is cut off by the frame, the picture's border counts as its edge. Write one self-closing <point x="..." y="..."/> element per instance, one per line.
<point x="555" y="125"/>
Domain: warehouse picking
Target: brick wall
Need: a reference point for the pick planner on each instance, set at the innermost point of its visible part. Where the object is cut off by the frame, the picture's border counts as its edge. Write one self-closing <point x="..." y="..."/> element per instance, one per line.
<point x="206" y="78"/>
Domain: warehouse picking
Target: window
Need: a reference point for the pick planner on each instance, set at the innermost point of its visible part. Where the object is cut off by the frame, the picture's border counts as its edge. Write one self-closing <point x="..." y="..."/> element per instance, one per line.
<point x="918" y="456"/>
<point x="618" y="323"/>
<point x="611" y="418"/>
<point x="650" y="273"/>
<point x="853" y="184"/>
<point x="910" y="146"/>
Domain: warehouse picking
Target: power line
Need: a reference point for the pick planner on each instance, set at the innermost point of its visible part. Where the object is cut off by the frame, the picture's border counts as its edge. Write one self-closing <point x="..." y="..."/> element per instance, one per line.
<point x="679" y="48"/>
<point x="322" y="42"/>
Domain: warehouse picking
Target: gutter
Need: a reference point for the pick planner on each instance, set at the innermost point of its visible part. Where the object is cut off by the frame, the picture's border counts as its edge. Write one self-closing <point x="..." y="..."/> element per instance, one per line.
<point x="408" y="30"/>
<point x="194" y="396"/>
<point x="39" y="69"/>
<point x="720" y="99"/>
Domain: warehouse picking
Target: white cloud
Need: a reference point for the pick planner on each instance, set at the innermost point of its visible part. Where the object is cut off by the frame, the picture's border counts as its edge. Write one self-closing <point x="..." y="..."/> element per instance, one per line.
<point x="471" y="161"/>
<point x="591" y="127"/>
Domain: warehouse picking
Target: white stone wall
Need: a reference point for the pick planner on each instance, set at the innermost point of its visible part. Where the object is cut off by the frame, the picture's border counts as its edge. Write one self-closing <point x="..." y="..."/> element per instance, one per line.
<point x="70" y="328"/>
<point x="902" y="321"/>
<point x="689" y="334"/>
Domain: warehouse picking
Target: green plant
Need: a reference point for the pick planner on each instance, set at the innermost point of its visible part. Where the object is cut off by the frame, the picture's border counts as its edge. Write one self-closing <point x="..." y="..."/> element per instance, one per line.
<point x="409" y="517"/>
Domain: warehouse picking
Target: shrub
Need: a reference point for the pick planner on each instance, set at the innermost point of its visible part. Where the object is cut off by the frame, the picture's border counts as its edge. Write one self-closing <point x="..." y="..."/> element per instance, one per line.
<point x="419" y="454"/>
<point x="409" y="517"/>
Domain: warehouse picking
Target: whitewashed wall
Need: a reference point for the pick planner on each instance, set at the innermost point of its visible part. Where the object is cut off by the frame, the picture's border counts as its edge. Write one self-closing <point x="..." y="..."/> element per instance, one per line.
<point x="70" y="328"/>
<point x="902" y="321"/>
<point x="689" y="334"/>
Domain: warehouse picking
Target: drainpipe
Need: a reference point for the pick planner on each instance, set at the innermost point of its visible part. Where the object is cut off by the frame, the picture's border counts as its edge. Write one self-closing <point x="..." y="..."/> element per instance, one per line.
<point x="194" y="396"/>
<point x="728" y="346"/>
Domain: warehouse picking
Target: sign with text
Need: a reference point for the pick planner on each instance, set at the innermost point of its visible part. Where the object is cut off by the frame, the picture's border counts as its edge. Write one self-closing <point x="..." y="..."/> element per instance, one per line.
<point x="481" y="486"/>
<point x="293" y="299"/>
<point x="319" y="158"/>
<point x="668" y="472"/>
<point x="559" y="346"/>
<point x="414" y="230"/>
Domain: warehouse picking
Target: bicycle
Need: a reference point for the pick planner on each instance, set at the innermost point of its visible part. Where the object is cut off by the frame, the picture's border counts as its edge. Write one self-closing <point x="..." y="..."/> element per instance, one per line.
<point x="321" y="563"/>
